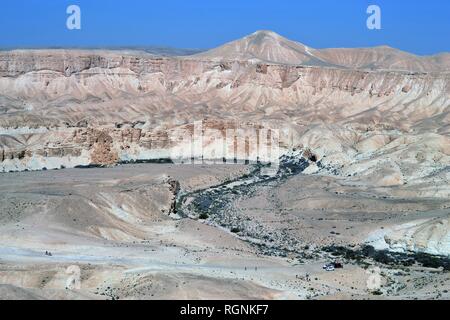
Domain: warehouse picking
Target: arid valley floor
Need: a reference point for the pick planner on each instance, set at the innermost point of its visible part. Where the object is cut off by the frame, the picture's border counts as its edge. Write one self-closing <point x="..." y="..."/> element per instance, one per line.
<point x="113" y="224"/>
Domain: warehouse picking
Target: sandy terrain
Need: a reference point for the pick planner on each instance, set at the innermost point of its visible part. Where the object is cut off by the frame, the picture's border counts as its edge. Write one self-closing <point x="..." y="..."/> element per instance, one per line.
<point x="114" y="225"/>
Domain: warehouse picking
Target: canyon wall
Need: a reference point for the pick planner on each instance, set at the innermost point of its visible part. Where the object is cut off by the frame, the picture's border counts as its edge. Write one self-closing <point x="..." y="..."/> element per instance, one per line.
<point x="69" y="108"/>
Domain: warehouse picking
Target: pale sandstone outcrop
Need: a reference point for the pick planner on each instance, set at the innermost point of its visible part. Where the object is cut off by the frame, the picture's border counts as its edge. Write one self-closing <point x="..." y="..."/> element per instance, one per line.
<point x="429" y="236"/>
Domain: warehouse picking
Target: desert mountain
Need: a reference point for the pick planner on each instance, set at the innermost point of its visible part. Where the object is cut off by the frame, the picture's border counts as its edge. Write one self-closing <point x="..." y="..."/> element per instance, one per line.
<point x="265" y="46"/>
<point x="386" y="58"/>
<point x="268" y="46"/>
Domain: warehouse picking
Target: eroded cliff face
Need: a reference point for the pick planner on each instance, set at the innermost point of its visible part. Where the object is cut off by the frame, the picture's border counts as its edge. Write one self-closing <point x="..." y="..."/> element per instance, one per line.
<point x="70" y="86"/>
<point x="69" y="108"/>
<point x="209" y="141"/>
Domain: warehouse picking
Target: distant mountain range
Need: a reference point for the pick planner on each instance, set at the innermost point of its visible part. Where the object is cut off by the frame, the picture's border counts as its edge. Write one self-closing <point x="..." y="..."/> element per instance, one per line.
<point x="154" y="50"/>
<point x="268" y="46"/>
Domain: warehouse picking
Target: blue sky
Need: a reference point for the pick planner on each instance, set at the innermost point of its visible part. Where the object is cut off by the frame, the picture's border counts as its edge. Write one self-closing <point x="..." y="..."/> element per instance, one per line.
<point x="418" y="26"/>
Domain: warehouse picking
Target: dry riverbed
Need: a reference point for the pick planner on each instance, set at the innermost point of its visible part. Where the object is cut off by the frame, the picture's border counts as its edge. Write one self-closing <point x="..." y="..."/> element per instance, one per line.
<point x="135" y="232"/>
